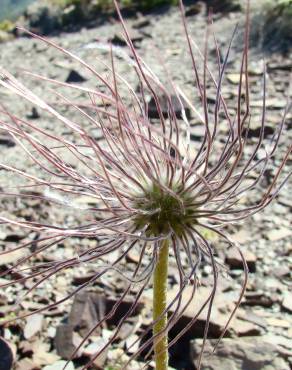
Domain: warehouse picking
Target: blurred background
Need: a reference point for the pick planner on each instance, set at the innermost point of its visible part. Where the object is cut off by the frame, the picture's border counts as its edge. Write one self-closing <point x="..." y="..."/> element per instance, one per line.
<point x="272" y="17"/>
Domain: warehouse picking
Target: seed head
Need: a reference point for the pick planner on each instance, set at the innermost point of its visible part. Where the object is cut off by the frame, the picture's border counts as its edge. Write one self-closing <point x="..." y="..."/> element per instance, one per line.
<point x="165" y="210"/>
<point x="145" y="182"/>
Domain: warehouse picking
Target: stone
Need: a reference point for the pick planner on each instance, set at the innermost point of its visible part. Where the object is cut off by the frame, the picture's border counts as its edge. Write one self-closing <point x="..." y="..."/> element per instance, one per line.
<point x="197" y="133"/>
<point x="233" y="78"/>
<point x="241" y="236"/>
<point x="91" y="349"/>
<point x="86" y="311"/>
<point x="64" y="341"/>
<point x="256" y="68"/>
<point x="11" y="257"/>
<point x="74" y="77"/>
<point x="194" y="9"/>
<point x="287" y="301"/>
<point x="59" y="365"/>
<point x="255" y="129"/>
<point x="119" y="40"/>
<point x="25" y="364"/>
<point x="26" y="348"/>
<point x="6" y="355"/>
<point x="222" y="307"/>
<point x="122" y="309"/>
<point x="257" y="299"/>
<point x="141" y="23"/>
<point x="42" y="354"/>
<point x="224" y="6"/>
<point x="7" y="140"/>
<point x="281" y="271"/>
<point x="3" y="297"/>
<point x="285" y="200"/>
<point x="33" y="325"/>
<point x="43" y="17"/>
<point x="278" y="234"/>
<point x="234" y="261"/>
<point x="244" y="328"/>
<point x="82" y="279"/>
<point x="212" y="97"/>
<point x="273" y="103"/>
<point x="279" y="323"/>
<point x="164" y="106"/>
<point x="14" y="237"/>
<point x="279" y="341"/>
<point x="132" y="343"/>
<point x="125" y="331"/>
<point x="133" y="256"/>
<point x="284" y="65"/>
<point x="34" y="114"/>
<point x="251" y="316"/>
<point x="250" y="353"/>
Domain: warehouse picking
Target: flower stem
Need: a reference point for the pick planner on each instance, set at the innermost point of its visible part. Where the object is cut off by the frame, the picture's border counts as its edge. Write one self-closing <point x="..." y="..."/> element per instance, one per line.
<point x="159" y="305"/>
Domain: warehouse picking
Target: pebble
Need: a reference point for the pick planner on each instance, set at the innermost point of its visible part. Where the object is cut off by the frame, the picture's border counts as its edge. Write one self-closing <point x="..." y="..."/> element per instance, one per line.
<point x="233" y="354"/>
<point x="59" y="365"/>
<point x="278" y="234"/>
<point x="235" y="262"/>
<point x="287" y="301"/>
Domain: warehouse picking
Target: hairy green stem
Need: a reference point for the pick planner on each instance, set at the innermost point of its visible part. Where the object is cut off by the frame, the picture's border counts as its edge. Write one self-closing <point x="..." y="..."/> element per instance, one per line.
<point x="159" y="305"/>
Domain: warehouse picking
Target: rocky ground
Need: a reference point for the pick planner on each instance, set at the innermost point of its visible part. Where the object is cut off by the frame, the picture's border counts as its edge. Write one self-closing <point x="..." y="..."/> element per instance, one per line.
<point x="260" y="338"/>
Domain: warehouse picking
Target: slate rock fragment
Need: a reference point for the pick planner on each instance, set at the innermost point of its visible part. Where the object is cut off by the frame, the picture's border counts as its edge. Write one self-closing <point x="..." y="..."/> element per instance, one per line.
<point x="74" y="77"/>
<point x="164" y="103"/>
<point x="6" y="355"/>
<point x="236" y="354"/>
<point x="194" y="9"/>
<point x="33" y="114"/>
<point x="234" y="261"/>
<point x="7" y="141"/>
<point x="64" y="341"/>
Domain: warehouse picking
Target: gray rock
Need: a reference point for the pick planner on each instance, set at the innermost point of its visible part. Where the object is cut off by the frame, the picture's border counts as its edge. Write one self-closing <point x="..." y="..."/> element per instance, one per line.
<point x="224" y="6"/>
<point x="6" y="355"/>
<point x="7" y="141"/>
<point x="197" y="133"/>
<point x="33" y="114"/>
<point x="250" y="353"/>
<point x="43" y="17"/>
<point x="119" y="40"/>
<point x="165" y="109"/>
<point x="287" y="302"/>
<point x="256" y="130"/>
<point x="64" y="341"/>
<point x="59" y="365"/>
<point x="258" y="298"/>
<point x="234" y="261"/>
<point x="75" y="77"/>
<point x="194" y="9"/>
<point x="284" y="65"/>
<point x="141" y="23"/>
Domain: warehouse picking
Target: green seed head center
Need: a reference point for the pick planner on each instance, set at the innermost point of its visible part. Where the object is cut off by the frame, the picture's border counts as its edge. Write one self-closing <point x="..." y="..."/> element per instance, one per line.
<point x="164" y="211"/>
